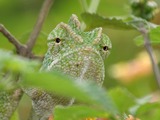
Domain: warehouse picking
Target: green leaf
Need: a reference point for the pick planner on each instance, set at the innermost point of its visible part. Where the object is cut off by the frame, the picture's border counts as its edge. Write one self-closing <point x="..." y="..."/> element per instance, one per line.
<point x="125" y="23"/>
<point x="154" y="36"/>
<point x="8" y="83"/>
<point x="14" y="63"/>
<point x="122" y="98"/>
<point x="140" y="102"/>
<point x="87" y="92"/>
<point x="78" y="113"/>
<point x="139" y="40"/>
<point x="95" y="20"/>
<point x="15" y="116"/>
<point x="149" y="111"/>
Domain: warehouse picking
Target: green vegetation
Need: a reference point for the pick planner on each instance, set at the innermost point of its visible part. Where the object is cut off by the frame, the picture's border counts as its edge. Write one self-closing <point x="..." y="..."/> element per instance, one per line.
<point x="125" y="91"/>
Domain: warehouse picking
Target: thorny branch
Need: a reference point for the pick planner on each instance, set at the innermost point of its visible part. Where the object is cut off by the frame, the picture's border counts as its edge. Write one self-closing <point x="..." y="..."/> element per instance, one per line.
<point x="148" y="47"/>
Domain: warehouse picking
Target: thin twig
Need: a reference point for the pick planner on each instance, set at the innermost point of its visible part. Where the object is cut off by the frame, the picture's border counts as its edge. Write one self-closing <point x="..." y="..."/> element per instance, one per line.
<point x="11" y="38"/>
<point x="149" y="49"/>
<point x="42" y="15"/>
<point x="26" y="50"/>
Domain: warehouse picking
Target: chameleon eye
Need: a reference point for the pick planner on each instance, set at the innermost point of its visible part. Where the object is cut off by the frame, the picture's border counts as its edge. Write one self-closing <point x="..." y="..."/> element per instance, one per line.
<point x="57" y="40"/>
<point x="105" y="48"/>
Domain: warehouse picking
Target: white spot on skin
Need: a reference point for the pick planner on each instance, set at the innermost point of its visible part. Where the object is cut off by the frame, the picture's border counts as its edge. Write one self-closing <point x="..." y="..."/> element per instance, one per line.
<point x="52" y="64"/>
<point x="84" y="69"/>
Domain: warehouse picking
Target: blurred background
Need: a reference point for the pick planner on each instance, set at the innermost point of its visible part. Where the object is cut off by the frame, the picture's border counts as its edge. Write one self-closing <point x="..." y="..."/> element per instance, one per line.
<point x="128" y="64"/>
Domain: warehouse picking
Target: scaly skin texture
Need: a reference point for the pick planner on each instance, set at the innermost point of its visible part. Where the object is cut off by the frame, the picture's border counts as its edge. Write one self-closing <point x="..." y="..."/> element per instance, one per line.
<point x="73" y="52"/>
<point x="8" y="103"/>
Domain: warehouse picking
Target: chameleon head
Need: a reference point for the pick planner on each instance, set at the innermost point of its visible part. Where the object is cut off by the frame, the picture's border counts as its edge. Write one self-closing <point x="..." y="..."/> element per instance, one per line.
<point x="77" y="53"/>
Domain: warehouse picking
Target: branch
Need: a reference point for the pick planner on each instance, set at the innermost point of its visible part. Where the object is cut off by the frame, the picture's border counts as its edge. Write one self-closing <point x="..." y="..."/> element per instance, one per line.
<point x="148" y="47"/>
<point x="26" y="50"/>
<point x="42" y="15"/>
<point x="11" y="38"/>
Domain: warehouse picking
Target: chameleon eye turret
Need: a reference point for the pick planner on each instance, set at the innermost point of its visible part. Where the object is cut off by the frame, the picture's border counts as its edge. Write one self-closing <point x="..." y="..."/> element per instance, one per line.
<point x="76" y="53"/>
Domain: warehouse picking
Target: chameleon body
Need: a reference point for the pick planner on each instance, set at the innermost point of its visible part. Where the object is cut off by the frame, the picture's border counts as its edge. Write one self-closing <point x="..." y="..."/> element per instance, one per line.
<point x="73" y="52"/>
<point x="8" y="103"/>
<point x="76" y="53"/>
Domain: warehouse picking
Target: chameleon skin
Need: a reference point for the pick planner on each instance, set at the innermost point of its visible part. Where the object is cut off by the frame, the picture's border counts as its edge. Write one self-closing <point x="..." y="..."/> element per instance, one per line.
<point x="8" y="103"/>
<point x="76" y="53"/>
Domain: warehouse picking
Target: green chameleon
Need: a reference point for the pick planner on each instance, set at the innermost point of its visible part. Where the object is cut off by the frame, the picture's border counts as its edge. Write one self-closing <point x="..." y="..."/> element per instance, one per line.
<point x="73" y="52"/>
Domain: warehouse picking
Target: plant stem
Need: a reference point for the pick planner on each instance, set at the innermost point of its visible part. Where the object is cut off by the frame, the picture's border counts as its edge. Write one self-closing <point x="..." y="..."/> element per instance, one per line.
<point x="42" y="15"/>
<point x="149" y="49"/>
<point x="26" y="49"/>
<point x="11" y="38"/>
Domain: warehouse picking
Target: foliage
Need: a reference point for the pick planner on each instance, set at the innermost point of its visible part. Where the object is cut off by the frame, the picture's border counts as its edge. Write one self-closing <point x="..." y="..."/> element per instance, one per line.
<point x="144" y="9"/>
<point x="124" y="23"/>
<point x="113" y="103"/>
<point x="154" y="35"/>
<point x="81" y="91"/>
<point x="103" y="105"/>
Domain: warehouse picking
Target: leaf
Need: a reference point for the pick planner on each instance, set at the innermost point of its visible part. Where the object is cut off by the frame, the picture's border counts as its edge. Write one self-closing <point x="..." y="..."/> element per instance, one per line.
<point x="15" y="116"/>
<point x="95" y="20"/>
<point x="137" y="23"/>
<point x="149" y="111"/>
<point x="56" y="82"/>
<point x="122" y="98"/>
<point x="77" y="113"/>
<point x="125" y="23"/>
<point x="87" y="92"/>
<point x="140" y="102"/>
<point x="154" y="37"/>
<point x="139" y="40"/>
<point x="15" y="63"/>
<point x="11" y="66"/>
<point x="7" y="83"/>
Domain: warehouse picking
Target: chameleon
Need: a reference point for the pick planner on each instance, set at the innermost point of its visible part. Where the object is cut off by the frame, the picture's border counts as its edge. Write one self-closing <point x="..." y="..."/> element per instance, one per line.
<point x="72" y="51"/>
<point x="8" y="103"/>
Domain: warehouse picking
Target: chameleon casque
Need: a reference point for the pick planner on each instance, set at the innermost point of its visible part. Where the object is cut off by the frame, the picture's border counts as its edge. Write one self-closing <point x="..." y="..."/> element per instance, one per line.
<point x="73" y="52"/>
